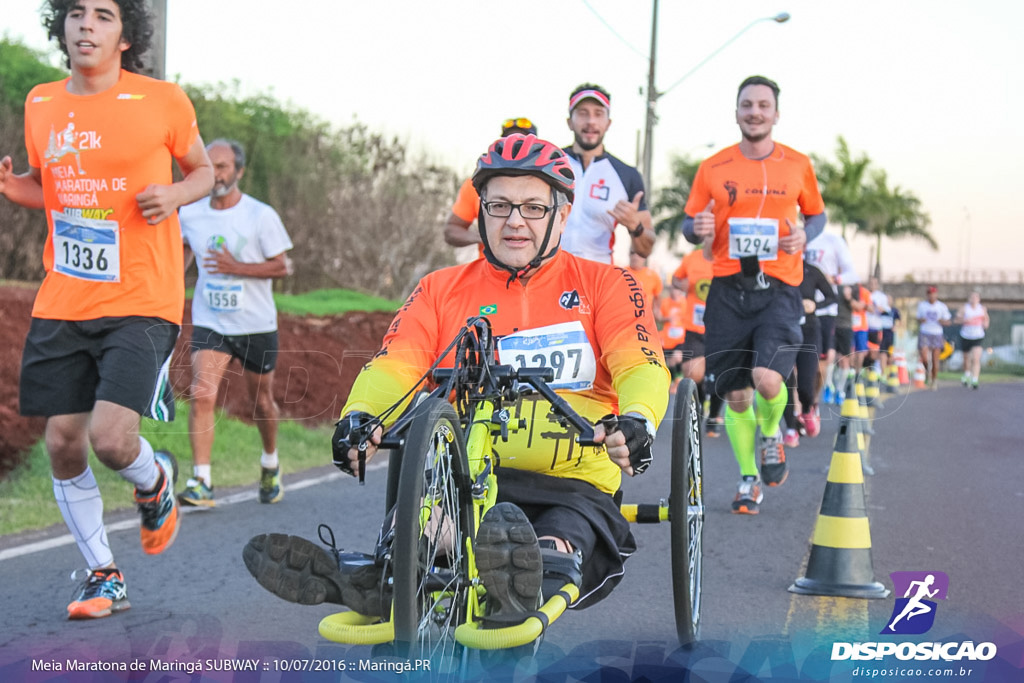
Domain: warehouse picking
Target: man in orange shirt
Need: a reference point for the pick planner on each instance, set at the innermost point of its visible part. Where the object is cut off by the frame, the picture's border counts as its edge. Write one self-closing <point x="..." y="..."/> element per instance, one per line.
<point x="560" y="307"/>
<point x="694" y="276"/>
<point x="746" y="199"/>
<point x="458" y="229"/>
<point x="108" y="312"/>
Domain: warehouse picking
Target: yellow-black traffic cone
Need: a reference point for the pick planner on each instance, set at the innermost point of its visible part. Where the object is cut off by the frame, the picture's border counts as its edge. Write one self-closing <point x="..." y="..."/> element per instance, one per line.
<point x="871" y="390"/>
<point x="892" y="382"/>
<point x="851" y="409"/>
<point x="840" y="560"/>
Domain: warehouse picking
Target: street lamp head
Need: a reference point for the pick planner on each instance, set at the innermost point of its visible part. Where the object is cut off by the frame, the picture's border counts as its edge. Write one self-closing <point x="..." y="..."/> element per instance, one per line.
<point x="781" y="17"/>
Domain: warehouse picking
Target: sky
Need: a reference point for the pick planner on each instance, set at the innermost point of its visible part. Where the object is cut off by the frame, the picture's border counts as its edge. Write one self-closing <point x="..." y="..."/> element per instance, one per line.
<point x="922" y="87"/>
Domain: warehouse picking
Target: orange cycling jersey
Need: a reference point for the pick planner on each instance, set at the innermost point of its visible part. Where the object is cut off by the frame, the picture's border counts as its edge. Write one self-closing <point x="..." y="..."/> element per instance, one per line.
<point x="95" y="154"/>
<point x="859" y="319"/>
<point x="673" y="331"/>
<point x="697" y="271"/>
<point x="753" y="200"/>
<point x="586" y="320"/>
<point x="649" y="280"/>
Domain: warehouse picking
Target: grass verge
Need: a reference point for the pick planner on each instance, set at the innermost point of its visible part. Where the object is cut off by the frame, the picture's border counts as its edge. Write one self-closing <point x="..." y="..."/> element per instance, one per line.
<point x="26" y="496"/>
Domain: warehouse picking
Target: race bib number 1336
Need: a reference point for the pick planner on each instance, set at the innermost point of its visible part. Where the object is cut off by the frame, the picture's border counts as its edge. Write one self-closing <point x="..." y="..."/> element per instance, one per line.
<point x="86" y="248"/>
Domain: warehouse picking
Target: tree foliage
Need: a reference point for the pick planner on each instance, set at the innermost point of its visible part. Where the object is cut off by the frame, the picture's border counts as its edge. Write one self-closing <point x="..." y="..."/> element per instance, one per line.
<point x="361" y="214"/>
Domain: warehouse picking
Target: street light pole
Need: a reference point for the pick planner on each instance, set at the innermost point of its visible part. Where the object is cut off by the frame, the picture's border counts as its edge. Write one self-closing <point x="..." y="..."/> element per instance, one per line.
<point x="653" y="95"/>
<point x="652" y="101"/>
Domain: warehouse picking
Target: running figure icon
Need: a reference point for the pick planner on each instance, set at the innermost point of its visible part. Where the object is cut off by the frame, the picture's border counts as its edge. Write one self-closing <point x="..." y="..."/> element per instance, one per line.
<point x="915" y="606"/>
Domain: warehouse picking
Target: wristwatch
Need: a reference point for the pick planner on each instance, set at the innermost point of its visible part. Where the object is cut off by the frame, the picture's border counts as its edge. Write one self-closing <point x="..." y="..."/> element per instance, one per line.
<point x="637" y="231"/>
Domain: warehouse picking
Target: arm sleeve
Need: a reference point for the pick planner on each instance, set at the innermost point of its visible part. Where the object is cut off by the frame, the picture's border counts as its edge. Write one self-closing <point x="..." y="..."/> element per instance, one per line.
<point x="813" y="225"/>
<point x="631" y="349"/>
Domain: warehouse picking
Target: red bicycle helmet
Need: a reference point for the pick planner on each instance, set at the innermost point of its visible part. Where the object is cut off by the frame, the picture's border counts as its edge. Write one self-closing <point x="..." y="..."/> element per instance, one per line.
<point x="519" y="154"/>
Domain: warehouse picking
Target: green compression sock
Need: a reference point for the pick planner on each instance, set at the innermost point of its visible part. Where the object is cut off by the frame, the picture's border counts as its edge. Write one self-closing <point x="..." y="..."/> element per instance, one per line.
<point x="741" y="428"/>
<point x="769" y="411"/>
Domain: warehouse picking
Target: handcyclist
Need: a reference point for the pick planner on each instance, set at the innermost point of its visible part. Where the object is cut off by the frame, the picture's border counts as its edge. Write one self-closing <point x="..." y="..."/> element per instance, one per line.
<point x="108" y="312"/>
<point x="694" y="277"/>
<point x="563" y="308"/>
<point x="458" y="228"/>
<point x="746" y="199"/>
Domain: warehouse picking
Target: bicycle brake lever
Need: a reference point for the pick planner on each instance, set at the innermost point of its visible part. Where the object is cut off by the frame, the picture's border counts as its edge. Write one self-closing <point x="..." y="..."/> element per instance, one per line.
<point x="361" y="448"/>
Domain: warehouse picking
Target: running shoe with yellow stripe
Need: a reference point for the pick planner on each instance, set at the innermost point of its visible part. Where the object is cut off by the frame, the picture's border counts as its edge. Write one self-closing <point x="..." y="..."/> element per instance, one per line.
<point x="270" y="485"/>
<point x="159" y="509"/>
<point x="100" y="595"/>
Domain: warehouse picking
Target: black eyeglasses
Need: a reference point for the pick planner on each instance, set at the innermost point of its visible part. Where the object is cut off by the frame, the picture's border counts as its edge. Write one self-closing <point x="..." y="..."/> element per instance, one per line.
<point x="504" y="209"/>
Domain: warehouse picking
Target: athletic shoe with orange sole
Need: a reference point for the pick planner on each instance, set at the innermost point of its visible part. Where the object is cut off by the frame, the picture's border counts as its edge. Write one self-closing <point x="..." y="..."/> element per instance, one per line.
<point x="159" y="509"/>
<point x="100" y="595"/>
<point x="748" y="497"/>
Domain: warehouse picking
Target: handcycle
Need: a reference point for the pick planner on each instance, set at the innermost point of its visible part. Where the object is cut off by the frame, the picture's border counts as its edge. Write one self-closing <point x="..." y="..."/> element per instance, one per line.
<point x="441" y="482"/>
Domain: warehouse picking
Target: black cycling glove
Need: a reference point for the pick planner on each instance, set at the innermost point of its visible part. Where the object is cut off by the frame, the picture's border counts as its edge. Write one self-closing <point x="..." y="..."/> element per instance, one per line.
<point x="638" y="440"/>
<point x="349" y="432"/>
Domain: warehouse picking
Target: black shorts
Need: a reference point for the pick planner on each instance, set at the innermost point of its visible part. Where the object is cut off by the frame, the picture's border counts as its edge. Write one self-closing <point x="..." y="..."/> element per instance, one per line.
<point x="968" y="344"/>
<point x="747" y="329"/>
<point x="826" y="334"/>
<point x="693" y="346"/>
<point x="69" y="365"/>
<point x="844" y="340"/>
<point x="581" y="514"/>
<point x="887" y="341"/>
<point x="257" y="352"/>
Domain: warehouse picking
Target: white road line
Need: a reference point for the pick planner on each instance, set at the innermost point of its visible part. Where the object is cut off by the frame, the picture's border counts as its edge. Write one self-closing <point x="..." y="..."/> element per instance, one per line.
<point x="67" y="539"/>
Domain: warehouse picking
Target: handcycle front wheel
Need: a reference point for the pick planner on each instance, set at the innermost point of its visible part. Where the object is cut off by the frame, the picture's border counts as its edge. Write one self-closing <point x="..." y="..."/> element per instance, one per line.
<point x="686" y="511"/>
<point x="433" y="518"/>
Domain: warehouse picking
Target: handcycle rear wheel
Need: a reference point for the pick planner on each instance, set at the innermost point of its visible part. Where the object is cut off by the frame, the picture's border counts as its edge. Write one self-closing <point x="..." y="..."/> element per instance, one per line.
<point x="686" y="511"/>
<point x="433" y="518"/>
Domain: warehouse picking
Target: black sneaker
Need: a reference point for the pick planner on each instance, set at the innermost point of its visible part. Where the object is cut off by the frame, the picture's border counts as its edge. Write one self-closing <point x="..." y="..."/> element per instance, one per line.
<point x="511" y="569"/>
<point x="300" y="571"/>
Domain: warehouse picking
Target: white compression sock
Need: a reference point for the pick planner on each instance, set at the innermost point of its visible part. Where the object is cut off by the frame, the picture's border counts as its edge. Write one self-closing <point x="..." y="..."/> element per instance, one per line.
<point x="82" y="508"/>
<point x="144" y="472"/>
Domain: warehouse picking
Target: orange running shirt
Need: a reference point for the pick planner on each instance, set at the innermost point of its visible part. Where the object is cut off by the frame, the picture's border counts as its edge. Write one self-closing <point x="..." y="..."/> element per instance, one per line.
<point x="768" y="191"/>
<point x="95" y="154"/>
<point x="650" y="281"/>
<point x="673" y="331"/>
<point x="859" y="319"/>
<point x="697" y="271"/>
<point x="607" y="356"/>
<point x="467" y="203"/>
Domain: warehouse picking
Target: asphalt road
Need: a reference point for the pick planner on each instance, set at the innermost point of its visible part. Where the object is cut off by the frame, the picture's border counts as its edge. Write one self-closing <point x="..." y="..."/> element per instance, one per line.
<point x="946" y="496"/>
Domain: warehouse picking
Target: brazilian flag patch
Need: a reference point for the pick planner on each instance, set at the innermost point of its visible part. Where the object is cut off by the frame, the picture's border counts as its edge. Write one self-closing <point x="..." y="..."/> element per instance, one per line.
<point x="490" y="309"/>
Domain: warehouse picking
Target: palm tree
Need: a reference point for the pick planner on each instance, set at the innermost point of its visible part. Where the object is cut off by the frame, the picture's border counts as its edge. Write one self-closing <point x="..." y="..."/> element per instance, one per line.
<point x="842" y="185"/>
<point x="670" y="203"/>
<point x="891" y="212"/>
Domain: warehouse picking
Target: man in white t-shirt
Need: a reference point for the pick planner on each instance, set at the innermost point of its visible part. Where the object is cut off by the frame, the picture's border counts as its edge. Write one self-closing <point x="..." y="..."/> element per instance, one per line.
<point x="240" y="245"/>
<point x="829" y="253"/>
<point x="932" y="315"/>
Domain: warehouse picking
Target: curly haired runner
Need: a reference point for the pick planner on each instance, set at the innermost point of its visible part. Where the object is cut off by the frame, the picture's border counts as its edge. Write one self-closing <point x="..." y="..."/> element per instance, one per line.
<point x="548" y="486"/>
<point x="108" y="312"/>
